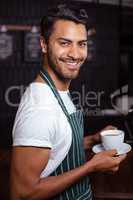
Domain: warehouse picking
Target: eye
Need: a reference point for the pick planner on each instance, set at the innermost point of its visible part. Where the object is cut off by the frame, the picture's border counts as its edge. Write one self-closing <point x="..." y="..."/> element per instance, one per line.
<point x="83" y="44"/>
<point x="64" y="44"/>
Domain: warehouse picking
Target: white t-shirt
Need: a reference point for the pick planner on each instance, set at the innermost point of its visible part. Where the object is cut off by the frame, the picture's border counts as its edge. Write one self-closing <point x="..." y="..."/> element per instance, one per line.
<point x="40" y="122"/>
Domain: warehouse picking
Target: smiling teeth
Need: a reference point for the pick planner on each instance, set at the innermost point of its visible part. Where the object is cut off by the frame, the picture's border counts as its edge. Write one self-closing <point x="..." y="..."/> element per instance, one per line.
<point x="71" y="63"/>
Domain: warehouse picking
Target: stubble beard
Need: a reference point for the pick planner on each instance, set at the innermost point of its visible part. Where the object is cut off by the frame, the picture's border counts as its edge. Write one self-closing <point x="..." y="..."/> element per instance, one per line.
<point x="65" y="77"/>
<point x="61" y="76"/>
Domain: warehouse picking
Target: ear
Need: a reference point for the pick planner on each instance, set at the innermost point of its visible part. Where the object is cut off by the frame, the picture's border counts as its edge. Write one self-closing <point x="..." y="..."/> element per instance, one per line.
<point x="43" y="44"/>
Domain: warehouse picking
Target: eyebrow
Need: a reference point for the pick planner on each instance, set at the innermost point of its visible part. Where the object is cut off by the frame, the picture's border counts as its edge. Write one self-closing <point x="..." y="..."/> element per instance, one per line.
<point x="67" y="40"/>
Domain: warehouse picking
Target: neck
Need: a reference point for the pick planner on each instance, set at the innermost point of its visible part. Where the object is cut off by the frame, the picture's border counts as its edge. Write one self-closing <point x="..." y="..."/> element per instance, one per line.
<point x="61" y="85"/>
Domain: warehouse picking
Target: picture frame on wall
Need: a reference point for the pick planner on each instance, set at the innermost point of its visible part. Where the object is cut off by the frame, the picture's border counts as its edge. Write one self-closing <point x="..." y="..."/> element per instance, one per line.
<point x="32" y="49"/>
<point x="6" y="44"/>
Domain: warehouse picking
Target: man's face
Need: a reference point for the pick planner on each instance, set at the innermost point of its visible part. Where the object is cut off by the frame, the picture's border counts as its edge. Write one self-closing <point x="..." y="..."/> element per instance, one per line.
<point x="67" y="49"/>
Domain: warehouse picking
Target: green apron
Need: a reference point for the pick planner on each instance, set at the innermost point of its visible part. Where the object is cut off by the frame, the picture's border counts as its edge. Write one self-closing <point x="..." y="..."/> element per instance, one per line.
<point x="76" y="155"/>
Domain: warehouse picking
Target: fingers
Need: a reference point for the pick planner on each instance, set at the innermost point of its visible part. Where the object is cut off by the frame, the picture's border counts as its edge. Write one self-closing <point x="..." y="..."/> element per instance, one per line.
<point x="110" y="127"/>
<point x="117" y="161"/>
<point x="112" y="152"/>
<point x="113" y="170"/>
<point x="122" y="157"/>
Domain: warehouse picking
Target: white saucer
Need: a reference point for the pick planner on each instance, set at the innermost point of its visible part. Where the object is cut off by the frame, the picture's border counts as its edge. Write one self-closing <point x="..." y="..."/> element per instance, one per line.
<point x="125" y="148"/>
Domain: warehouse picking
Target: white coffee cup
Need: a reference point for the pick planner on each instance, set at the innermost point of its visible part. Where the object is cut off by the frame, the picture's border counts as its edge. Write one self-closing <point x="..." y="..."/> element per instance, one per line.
<point x="112" y="139"/>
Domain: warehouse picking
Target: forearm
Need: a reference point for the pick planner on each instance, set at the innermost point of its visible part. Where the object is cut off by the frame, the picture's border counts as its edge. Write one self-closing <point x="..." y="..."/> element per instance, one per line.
<point x="90" y="140"/>
<point x="52" y="185"/>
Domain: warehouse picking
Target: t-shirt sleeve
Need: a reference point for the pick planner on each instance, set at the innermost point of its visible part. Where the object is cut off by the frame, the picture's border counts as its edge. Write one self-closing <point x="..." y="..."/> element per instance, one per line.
<point x="36" y="128"/>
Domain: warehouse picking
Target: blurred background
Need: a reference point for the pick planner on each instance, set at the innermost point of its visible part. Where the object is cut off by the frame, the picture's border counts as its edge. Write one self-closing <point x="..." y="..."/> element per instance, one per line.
<point x="104" y="88"/>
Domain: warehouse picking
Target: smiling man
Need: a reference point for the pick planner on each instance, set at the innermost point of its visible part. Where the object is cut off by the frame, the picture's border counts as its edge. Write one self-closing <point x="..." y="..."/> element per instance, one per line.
<point x="66" y="51"/>
<point x="48" y="160"/>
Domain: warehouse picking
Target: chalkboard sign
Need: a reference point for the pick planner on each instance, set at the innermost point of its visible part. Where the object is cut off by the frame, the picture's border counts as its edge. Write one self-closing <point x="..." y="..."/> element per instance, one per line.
<point x="6" y="46"/>
<point x="32" y="49"/>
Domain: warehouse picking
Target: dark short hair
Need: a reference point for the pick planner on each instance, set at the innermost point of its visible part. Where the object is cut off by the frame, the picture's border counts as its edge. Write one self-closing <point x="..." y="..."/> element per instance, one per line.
<point x="65" y="12"/>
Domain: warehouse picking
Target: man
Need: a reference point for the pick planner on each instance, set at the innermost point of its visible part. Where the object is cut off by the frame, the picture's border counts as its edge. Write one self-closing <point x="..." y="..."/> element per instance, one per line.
<point x="48" y="160"/>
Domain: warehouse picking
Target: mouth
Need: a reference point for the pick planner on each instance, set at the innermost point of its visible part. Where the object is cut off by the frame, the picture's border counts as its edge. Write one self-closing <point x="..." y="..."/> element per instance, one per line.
<point x="72" y="65"/>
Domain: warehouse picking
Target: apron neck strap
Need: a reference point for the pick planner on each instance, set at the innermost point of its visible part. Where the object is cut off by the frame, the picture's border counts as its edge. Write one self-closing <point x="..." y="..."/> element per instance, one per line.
<point x="45" y="76"/>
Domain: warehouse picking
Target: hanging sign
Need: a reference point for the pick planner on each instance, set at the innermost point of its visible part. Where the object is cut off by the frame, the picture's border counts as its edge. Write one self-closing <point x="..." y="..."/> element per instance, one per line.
<point x="32" y="49"/>
<point x="6" y="44"/>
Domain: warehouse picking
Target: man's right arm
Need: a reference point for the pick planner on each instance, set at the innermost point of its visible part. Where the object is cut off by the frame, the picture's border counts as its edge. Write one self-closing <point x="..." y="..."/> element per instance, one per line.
<point x="28" y="163"/>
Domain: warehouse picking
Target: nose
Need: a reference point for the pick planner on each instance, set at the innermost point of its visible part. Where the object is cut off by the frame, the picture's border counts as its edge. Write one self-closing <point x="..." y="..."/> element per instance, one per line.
<point x="73" y="52"/>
